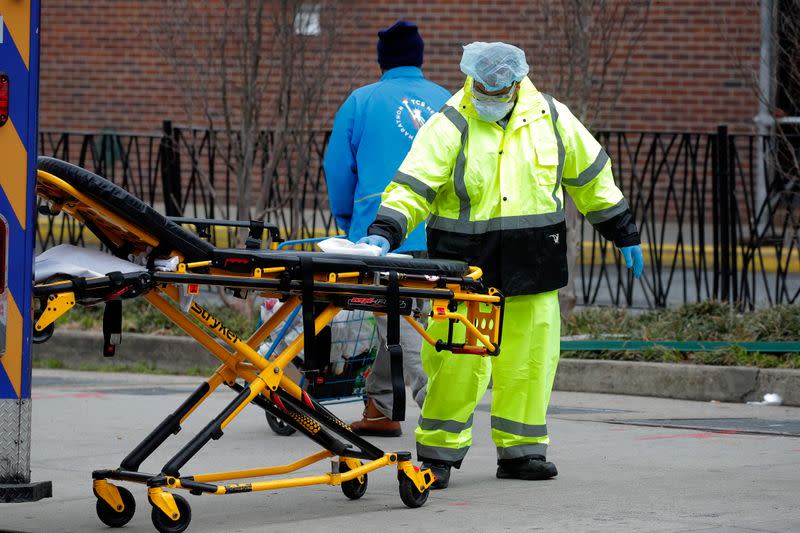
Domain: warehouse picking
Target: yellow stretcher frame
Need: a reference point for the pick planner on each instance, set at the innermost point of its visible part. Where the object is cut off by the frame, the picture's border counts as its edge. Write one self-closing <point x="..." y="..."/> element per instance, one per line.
<point x="266" y="383"/>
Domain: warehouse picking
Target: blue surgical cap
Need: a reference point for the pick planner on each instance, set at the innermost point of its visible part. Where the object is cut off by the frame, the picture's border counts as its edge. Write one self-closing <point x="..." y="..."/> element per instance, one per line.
<point x="495" y="65"/>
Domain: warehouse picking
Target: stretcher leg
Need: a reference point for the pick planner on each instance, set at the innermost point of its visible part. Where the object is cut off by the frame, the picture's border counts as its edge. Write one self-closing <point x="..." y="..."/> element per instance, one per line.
<point x="298" y="421"/>
<point x="213" y="430"/>
<point x="170" y="425"/>
<point x="328" y="420"/>
<point x="265" y="388"/>
<point x="115" y="505"/>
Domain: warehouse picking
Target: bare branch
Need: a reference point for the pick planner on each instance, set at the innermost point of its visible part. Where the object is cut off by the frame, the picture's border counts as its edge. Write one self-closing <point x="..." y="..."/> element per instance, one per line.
<point x="591" y="49"/>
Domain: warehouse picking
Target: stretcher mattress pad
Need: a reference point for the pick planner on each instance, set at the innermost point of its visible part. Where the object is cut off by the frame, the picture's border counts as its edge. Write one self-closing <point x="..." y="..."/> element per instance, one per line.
<point x="327" y="262"/>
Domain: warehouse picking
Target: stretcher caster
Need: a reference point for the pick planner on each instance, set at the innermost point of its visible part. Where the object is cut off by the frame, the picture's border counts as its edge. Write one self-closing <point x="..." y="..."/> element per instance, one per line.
<point x="353" y="489"/>
<point x="410" y="494"/>
<point x="279" y="426"/>
<point x="113" y="517"/>
<point x="165" y="524"/>
<point x="40" y="337"/>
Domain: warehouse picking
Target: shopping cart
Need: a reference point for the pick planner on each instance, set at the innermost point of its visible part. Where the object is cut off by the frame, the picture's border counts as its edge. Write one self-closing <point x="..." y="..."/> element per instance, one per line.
<point x="351" y="342"/>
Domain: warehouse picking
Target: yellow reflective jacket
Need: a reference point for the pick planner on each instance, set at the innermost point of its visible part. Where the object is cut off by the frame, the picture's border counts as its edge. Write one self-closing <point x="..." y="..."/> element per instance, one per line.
<point x="494" y="194"/>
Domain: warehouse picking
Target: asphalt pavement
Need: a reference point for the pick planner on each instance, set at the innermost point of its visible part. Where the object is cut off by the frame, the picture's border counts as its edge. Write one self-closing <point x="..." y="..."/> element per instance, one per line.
<point x="626" y="463"/>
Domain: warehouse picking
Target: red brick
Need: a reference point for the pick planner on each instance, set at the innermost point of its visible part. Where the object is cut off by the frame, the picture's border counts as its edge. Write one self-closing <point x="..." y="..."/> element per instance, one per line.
<point x="100" y="66"/>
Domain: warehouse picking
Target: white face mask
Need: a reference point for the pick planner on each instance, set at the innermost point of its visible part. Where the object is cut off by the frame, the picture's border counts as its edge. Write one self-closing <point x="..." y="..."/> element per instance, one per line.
<point x="491" y="111"/>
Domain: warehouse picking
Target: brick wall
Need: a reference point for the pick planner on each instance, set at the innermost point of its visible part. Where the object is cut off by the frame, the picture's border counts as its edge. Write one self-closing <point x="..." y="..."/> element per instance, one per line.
<point x="101" y="69"/>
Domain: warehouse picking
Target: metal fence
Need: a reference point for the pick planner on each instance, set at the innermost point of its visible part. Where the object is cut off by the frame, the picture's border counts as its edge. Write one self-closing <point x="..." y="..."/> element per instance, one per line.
<point x="719" y="213"/>
<point x="719" y="217"/>
<point x="186" y="172"/>
<point x="196" y="163"/>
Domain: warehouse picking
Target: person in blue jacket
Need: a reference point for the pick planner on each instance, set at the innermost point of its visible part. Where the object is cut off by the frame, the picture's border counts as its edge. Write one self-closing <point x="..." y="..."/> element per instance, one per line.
<point x="372" y="134"/>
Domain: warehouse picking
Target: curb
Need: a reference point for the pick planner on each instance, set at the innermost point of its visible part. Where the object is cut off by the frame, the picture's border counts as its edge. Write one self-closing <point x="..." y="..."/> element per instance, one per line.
<point x="85" y="348"/>
<point x="734" y="384"/>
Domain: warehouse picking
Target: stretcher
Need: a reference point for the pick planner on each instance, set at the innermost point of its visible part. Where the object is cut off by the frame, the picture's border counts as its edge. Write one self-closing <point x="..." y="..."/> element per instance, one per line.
<point x="319" y="284"/>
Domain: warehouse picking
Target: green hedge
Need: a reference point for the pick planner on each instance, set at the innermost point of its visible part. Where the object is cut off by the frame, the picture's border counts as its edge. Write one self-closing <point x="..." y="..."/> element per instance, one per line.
<point x="706" y="321"/>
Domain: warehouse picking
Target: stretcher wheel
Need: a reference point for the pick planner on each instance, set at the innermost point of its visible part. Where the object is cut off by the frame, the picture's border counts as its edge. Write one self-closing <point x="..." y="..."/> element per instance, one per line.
<point x="409" y="493"/>
<point x="165" y="524"/>
<point x="353" y="489"/>
<point x="40" y="337"/>
<point x="110" y="516"/>
<point x="279" y="426"/>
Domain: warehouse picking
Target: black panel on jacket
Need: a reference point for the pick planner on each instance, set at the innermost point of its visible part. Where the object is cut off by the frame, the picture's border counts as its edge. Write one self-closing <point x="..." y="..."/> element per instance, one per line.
<point x="524" y="261"/>
<point x="621" y="230"/>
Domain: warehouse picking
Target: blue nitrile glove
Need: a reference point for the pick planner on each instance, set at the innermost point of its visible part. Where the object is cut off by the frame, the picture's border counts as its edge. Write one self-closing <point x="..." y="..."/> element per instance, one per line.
<point x="634" y="258"/>
<point x="376" y="240"/>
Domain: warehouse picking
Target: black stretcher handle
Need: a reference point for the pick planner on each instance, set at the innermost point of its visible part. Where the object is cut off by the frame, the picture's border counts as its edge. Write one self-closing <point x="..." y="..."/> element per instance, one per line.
<point x="256" y="228"/>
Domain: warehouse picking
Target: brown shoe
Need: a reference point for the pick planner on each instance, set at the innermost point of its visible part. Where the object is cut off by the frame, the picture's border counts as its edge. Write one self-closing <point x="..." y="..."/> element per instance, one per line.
<point x="375" y="424"/>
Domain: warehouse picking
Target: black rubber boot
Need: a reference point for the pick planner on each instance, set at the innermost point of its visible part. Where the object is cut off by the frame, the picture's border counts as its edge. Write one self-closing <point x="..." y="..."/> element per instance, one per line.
<point x="441" y="473"/>
<point x="533" y="467"/>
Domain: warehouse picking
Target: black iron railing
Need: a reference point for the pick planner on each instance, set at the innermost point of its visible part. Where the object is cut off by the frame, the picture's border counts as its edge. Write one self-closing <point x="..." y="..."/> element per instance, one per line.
<point x="129" y="160"/>
<point x="719" y="216"/>
<point x="719" y="213"/>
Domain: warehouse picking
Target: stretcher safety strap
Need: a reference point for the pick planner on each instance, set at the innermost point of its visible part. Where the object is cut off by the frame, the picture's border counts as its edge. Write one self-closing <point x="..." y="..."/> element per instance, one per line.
<point x="394" y="348"/>
<point x="309" y="333"/>
<point x="112" y="327"/>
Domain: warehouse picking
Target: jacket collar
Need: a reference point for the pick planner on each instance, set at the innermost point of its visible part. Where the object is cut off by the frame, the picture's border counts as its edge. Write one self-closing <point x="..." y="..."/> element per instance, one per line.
<point x="530" y="106"/>
<point x="402" y="72"/>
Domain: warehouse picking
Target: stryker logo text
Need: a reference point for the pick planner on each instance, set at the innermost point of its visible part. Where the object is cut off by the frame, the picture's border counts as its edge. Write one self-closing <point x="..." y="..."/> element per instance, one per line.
<point x="214" y="323"/>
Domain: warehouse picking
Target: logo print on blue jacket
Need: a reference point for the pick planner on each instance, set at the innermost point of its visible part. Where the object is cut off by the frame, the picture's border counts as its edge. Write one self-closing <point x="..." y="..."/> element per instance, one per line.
<point x="410" y="115"/>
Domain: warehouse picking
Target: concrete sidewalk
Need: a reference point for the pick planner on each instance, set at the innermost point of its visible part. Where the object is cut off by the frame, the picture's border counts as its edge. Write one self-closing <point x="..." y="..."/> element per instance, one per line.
<point x="620" y="470"/>
<point x="665" y="380"/>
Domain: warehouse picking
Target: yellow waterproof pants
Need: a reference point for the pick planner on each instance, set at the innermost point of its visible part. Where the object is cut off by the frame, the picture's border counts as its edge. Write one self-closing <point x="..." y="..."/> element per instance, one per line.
<point x="522" y="379"/>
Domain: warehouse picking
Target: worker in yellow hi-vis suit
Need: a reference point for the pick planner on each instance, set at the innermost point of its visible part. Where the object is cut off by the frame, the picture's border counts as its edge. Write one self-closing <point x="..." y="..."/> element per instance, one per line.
<point x="489" y="169"/>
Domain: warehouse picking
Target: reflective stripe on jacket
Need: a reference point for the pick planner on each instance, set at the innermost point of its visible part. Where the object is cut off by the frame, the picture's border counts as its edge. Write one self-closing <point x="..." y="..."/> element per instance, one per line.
<point x="495" y="196"/>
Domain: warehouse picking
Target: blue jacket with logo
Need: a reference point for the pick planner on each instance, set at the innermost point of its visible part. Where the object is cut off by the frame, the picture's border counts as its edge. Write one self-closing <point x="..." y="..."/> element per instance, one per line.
<point x="372" y="134"/>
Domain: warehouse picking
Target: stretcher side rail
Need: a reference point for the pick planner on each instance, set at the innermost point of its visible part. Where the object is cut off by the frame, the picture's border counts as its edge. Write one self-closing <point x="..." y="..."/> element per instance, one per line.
<point x="142" y="281"/>
<point x="345" y="295"/>
<point x="255" y="234"/>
